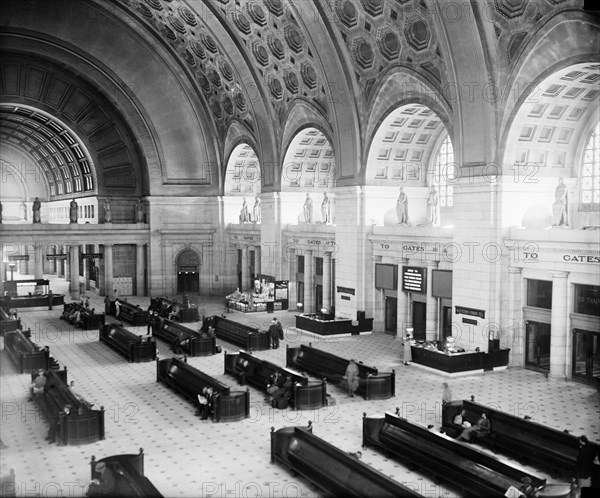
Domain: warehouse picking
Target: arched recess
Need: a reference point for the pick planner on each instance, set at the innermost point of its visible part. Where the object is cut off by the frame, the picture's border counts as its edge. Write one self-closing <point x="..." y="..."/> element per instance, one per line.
<point x="303" y="115"/>
<point x="187" y="267"/>
<point x="161" y="103"/>
<point x="237" y="134"/>
<point x="242" y="180"/>
<point x="403" y="88"/>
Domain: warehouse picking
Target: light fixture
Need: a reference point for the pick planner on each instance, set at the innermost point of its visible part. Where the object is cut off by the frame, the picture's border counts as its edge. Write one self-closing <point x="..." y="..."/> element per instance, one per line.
<point x="324" y="310"/>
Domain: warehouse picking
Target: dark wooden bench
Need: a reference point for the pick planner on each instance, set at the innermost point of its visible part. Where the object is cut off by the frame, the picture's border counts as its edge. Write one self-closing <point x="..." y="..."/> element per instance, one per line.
<point x="530" y="442"/>
<point x="128" y="470"/>
<point x="24" y="353"/>
<point x="8" y="485"/>
<point x="191" y="342"/>
<point x="371" y="384"/>
<point x="305" y="394"/>
<point x="227" y="406"/>
<point x="89" y="318"/>
<point x="7" y="324"/>
<point x="248" y="338"/>
<point x="164" y="306"/>
<point x="83" y="424"/>
<point x="135" y="348"/>
<point x="333" y="471"/>
<point x="473" y="472"/>
<point x="130" y="313"/>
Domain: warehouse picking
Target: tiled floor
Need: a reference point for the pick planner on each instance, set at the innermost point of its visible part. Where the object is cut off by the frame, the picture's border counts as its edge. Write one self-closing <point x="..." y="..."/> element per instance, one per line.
<point x="188" y="457"/>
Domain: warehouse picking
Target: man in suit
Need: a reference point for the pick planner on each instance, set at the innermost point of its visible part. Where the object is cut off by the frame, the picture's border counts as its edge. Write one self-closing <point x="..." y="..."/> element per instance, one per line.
<point x="274" y="333"/>
<point x="585" y="462"/>
<point x="105" y="486"/>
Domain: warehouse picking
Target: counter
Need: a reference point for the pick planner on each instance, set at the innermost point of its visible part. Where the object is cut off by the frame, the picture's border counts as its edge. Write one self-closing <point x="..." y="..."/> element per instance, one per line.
<point x="459" y="362"/>
<point x="34" y="301"/>
<point x="318" y="325"/>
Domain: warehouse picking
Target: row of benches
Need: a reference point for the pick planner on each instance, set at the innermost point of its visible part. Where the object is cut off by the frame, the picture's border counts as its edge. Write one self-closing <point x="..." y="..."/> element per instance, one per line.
<point x="249" y="369"/>
<point x="88" y="319"/>
<point x="7" y="323"/>
<point x="189" y="341"/>
<point x="25" y="353"/>
<point x="248" y="338"/>
<point x="82" y="425"/>
<point x="164" y="306"/>
<point x="135" y="348"/>
<point x="131" y="313"/>
<point x="227" y="405"/>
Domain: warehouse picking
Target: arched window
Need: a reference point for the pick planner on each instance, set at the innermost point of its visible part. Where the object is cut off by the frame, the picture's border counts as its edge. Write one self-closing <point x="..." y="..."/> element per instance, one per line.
<point x="445" y="172"/>
<point x="590" y="173"/>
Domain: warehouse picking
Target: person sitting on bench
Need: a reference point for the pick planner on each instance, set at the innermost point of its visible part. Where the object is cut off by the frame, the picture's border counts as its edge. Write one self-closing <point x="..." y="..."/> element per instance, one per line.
<point x="281" y="397"/>
<point x="460" y="420"/>
<point x="105" y="486"/>
<point x="482" y="428"/>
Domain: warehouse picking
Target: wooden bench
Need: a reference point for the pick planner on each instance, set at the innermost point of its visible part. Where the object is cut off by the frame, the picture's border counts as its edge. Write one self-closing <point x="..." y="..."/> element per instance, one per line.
<point x="164" y="306"/>
<point x="190" y="382"/>
<point x="128" y="470"/>
<point x="131" y="313"/>
<point x="191" y="342"/>
<point x="82" y="425"/>
<point x="7" y="324"/>
<point x="89" y="319"/>
<point x="248" y="338"/>
<point x="473" y="472"/>
<point x="24" y="353"/>
<point x="8" y="485"/>
<point x="305" y="394"/>
<point x="135" y="348"/>
<point x="371" y="384"/>
<point x="332" y="470"/>
<point x="530" y="442"/>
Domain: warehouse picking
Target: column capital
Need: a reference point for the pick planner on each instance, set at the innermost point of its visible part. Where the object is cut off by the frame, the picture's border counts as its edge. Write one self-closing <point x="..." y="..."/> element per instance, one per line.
<point x="402" y="261"/>
<point x="432" y="263"/>
<point x="515" y="270"/>
<point x="559" y="274"/>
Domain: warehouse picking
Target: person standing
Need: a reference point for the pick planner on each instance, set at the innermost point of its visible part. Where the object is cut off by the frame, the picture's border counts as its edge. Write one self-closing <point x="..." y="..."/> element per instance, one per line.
<point x="274" y="333"/>
<point x="117" y="308"/>
<point x="351" y="377"/>
<point x="105" y="486"/>
<point x="50" y="299"/>
<point x="407" y="350"/>
<point x="446" y="393"/>
<point x="585" y="462"/>
<point x="107" y="305"/>
<point x="279" y="331"/>
<point x="36" y="208"/>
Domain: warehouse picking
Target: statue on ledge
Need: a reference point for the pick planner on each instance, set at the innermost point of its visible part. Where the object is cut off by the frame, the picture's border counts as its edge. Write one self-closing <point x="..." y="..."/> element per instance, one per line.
<point x="308" y="209"/>
<point x="23" y="208"/>
<point x="559" y="208"/>
<point x="432" y="206"/>
<point x="256" y="214"/>
<point x="244" y="214"/>
<point x="107" y="212"/>
<point x="73" y="211"/>
<point x="36" y="208"/>
<point x="326" y="208"/>
<point x="139" y="211"/>
<point x="402" y="208"/>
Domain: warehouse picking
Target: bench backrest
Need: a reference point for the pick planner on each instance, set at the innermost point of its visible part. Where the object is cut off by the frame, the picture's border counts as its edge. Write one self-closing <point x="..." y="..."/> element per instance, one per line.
<point x="324" y="363"/>
<point x="225" y="325"/>
<point x="18" y="341"/>
<point x="190" y="379"/>
<point x="117" y="333"/>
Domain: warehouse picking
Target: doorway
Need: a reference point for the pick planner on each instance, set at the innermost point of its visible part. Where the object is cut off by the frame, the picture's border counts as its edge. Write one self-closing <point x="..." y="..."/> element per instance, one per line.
<point x="446" y="321"/>
<point x="188" y="275"/>
<point x="586" y="356"/>
<point x="537" y="346"/>
<point x="391" y="315"/>
<point x="419" y="320"/>
<point x="300" y="293"/>
<point x="318" y="298"/>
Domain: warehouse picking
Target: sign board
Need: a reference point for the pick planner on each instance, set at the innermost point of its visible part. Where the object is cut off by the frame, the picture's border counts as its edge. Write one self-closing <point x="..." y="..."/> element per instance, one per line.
<point x="345" y="290"/>
<point x="92" y="255"/>
<point x="50" y="257"/>
<point x="414" y="279"/>
<point x="18" y="257"/>
<point x="461" y="310"/>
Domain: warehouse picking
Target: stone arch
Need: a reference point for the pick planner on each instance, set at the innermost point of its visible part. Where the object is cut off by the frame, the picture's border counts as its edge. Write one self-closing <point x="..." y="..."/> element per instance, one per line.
<point x="187" y="271"/>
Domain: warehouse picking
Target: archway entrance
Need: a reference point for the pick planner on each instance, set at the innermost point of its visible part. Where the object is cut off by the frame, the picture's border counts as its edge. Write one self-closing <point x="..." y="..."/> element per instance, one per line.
<point x="188" y="272"/>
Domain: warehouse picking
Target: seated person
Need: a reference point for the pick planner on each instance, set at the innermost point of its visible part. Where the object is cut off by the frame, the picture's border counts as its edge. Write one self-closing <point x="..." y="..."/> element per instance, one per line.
<point x="460" y="420"/>
<point x="283" y="394"/>
<point x="275" y="382"/>
<point x="38" y="385"/>
<point x="174" y="314"/>
<point x="243" y="369"/>
<point x="483" y="427"/>
<point x="105" y="486"/>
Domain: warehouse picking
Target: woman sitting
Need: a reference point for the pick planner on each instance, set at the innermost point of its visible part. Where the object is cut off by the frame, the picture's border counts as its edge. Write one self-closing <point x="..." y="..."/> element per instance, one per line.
<point x="482" y="428"/>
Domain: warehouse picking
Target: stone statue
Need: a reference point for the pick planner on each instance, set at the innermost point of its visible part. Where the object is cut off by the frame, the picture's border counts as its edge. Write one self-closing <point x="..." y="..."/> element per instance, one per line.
<point x="256" y="210"/>
<point x="326" y="208"/>
<point x="23" y="208"/>
<point x="107" y="212"/>
<point x="559" y="208"/>
<point x="36" y="208"/>
<point x="244" y="214"/>
<point x="73" y="211"/>
<point x="432" y="206"/>
<point x="139" y="211"/>
<point x="308" y="209"/>
<point x="402" y="208"/>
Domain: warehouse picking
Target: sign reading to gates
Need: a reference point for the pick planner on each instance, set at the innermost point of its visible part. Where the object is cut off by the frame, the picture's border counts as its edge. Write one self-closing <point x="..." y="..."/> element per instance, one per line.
<point x="414" y="279"/>
<point x="345" y="290"/>
<point x="92" y="255"/>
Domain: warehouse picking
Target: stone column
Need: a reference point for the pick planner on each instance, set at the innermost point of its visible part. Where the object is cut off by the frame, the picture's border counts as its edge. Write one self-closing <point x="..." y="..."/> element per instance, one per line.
<point x="3" y="270"/>
<point x="431" y="313"/>
<point x="309" y="283"/>
<point x="515" y="330"/>
<point x="108" y="270"/>
<point x="559" y="328"/>
<point x="327" y="280"/>
<point x="245" y="268"/>
<point x="74" y="271"/>
<point x="402" y="304"/>
<point x="292" y="282"/>
<point x="139" y="269"/>
<point x="257" y="263"/>
<point x="38" y="262"/>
